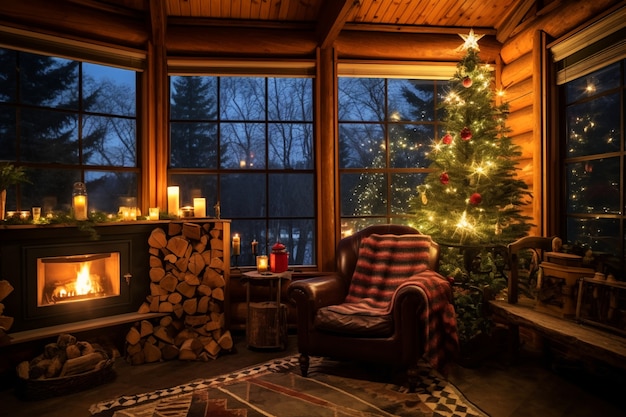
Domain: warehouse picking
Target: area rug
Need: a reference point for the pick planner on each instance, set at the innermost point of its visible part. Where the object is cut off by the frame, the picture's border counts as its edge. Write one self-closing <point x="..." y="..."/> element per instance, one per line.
<point x="276" y="388"/>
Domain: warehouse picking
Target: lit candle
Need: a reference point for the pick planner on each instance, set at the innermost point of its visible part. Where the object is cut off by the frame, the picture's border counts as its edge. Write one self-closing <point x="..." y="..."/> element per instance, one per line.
<point x="199" y="207"/>
<point x="154" y="213"/>
<point x="80" y="207"/>
<point x="187" y="211"/>
<point x="261" y="263"/>
<point x="255" y="244"/>
<point x="172" y="200"/>
<point x="236" y="244"/>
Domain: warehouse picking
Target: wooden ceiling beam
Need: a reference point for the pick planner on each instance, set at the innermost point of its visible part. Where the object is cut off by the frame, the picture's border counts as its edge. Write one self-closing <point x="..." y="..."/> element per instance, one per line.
<point x="332" y="17"/>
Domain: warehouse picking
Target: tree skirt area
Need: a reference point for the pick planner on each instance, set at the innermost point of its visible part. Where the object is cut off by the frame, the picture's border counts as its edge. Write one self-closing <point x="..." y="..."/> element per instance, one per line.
<point x="276" y="388"/>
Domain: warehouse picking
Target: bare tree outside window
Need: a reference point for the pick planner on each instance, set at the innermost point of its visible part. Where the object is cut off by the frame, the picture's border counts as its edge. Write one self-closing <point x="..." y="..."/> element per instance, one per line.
<point x="263" y="138"/>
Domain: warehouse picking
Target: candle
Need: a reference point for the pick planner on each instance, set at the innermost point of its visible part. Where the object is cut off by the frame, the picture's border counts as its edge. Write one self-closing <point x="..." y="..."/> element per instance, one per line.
<point x="199" y="207"/>
<point x="187" y="211"/>
<point x="80" y="207"/>
<point x="172" y="200"/>
<point x="236" y="244"/>
<point x="261" y="263"/>
<point x="255" y="244"/>
<point x="153" y="213"/>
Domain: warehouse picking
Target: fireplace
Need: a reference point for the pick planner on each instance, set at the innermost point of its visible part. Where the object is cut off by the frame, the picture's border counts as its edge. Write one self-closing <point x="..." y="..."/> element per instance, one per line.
<point x="62" y="276"/>
<point x="73" y="278"/>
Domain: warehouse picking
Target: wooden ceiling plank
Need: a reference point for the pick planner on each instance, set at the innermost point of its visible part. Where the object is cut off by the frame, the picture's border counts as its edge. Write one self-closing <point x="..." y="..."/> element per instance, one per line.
<point x="513" y="18"/>
<point x="332" y="17"/>
<point x="283" y="13"/>
<point x="391" y="12"/>
<point x="404" y="12"/>
<point x="185" y="8"/>
<point x="265" y="10"/>
<point x="370" y="12"/>
<point x="414" y="18"/>
<point x="274" y="11"/>
<point x="436" y="9"/>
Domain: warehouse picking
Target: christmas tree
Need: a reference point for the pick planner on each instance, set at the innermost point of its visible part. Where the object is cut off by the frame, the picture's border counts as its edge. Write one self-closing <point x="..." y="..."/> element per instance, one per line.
<point x="472" y="195"/>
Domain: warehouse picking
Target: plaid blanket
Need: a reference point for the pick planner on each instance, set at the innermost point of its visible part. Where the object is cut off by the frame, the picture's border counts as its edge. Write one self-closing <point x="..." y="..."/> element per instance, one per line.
<point x="387" y="263"/>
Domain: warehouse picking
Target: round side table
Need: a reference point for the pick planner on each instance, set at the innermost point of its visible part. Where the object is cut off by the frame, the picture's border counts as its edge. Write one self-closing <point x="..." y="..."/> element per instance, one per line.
<point x="266" y="323"/>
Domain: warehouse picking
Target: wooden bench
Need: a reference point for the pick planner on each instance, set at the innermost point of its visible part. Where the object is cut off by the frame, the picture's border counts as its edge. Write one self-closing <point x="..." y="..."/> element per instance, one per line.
<point x="586" y="340"/>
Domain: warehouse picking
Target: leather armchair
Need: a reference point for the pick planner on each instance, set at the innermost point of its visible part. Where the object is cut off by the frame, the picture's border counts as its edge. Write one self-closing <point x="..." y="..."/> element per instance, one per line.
<point x="402" y="346"/>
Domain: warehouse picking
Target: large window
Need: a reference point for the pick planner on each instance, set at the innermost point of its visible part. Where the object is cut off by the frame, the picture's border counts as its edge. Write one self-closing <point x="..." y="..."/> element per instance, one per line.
<point x="591" y="78"/>
<point x="247" y="143"/>
<point x="386" y="127"/>
<point x="66" y="121"/>
<point x="594" y="159"/>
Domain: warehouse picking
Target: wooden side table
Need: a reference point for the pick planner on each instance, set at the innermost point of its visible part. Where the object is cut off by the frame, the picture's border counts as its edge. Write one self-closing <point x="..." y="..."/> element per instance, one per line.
<point x="266" y="324"/>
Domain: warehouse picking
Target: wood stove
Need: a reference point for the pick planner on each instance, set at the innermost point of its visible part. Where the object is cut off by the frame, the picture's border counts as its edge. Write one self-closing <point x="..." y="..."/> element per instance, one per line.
<point x="69" y="279"/>
<point x="62" y="276"/>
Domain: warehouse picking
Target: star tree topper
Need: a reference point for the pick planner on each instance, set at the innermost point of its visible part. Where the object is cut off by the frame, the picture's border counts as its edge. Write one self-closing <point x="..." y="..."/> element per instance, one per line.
<point x="471" y="41"/>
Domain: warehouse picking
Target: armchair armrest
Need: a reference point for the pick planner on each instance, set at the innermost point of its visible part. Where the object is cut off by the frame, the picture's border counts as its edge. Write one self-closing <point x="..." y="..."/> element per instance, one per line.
<point x="317" y="292"/>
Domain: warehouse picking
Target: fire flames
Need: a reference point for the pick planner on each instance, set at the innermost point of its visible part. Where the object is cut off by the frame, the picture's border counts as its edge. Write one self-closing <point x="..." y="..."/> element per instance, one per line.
<point x="85" y="285"/>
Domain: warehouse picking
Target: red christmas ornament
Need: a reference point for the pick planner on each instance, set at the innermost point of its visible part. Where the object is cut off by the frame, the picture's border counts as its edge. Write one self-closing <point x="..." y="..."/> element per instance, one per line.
<point x="467" y="82"/>
<point x="466" y="134"/>
<point x="475" y="199"/>
<point x="444" y="178"/>
<point x="447" y="139"/>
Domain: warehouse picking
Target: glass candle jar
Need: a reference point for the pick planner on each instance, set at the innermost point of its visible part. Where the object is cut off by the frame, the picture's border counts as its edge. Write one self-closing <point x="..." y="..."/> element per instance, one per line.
<point x="79" y="201"/>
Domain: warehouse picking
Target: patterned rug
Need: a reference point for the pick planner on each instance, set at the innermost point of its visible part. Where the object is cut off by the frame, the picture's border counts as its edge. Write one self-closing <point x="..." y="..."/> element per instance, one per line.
<point x="277" y="389"/>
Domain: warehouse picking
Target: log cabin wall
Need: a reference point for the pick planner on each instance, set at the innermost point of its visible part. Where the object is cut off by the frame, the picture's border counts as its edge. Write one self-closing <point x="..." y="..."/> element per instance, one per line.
<point x="514" y="49"/>
<point x="524" y="58"/>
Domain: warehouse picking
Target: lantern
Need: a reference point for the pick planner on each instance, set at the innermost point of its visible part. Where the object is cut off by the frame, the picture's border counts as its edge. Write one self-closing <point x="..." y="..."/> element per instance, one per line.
<point x="279" y="258"/>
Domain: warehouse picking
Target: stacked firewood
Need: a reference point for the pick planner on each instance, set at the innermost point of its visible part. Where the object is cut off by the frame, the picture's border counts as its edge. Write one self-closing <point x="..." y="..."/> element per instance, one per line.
<point x="65" y="358"/>
<point x="187" y="282"/>
<point x="5" y="321"/>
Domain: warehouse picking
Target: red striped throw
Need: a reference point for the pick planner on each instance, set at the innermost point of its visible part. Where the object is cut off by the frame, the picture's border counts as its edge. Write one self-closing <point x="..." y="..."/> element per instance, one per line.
<point x="383" y="264"/>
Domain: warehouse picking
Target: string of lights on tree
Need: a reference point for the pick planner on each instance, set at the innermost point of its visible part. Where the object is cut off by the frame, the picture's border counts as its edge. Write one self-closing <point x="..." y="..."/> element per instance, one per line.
<point x="472" y="194"/>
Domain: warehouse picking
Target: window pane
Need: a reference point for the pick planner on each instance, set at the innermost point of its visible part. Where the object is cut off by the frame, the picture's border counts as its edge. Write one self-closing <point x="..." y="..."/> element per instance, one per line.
<point x="290" y="99"/>
<point x="49" y="82"/>
<point x="298" y="236"/>
<point x="363" y="194"/>
<point x="106" y="189"/>
<point x="290" y="146"/>
<point x="244" y="145"/>
<point x="411" y="100"/>
<point x="243" y="195"/>
<point x="292" y="195"/>
<point x="50" y="189"/>
<point x="7" y="133"/>
<point x="49" y="136"/>
<point x="362" y="146"/>
<point x="403" y="190"/>
<point x="196" y="186"/>
<point x="109" y="90"/>
<point x="602" y="235"/>
<point x="594" y="186"/>
<point x="193" y="98"/>
<point x="593" y="84"/>
<point x="409" y="145"/>
<point x="361" y="99"/>
<point x="109" y="141"/>
<point x="242" y="98"/>
<point x="8" y="83"/>
<point x="193" y="145"/>
<point x="594" y="126"/>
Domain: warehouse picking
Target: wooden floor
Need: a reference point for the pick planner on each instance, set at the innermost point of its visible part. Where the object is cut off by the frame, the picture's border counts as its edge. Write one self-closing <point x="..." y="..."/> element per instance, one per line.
<point x="524" y="390"/>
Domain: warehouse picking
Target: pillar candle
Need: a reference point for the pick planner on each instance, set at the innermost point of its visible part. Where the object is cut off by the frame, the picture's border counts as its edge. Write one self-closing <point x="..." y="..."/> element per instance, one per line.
<point x="80" y="207"/>
<point x="154" y="213"/>
<point x="236" y="244"/>
<point x="172" y="200"/>
<point x="199" y="207"/>
<point x="255" y="245"/>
